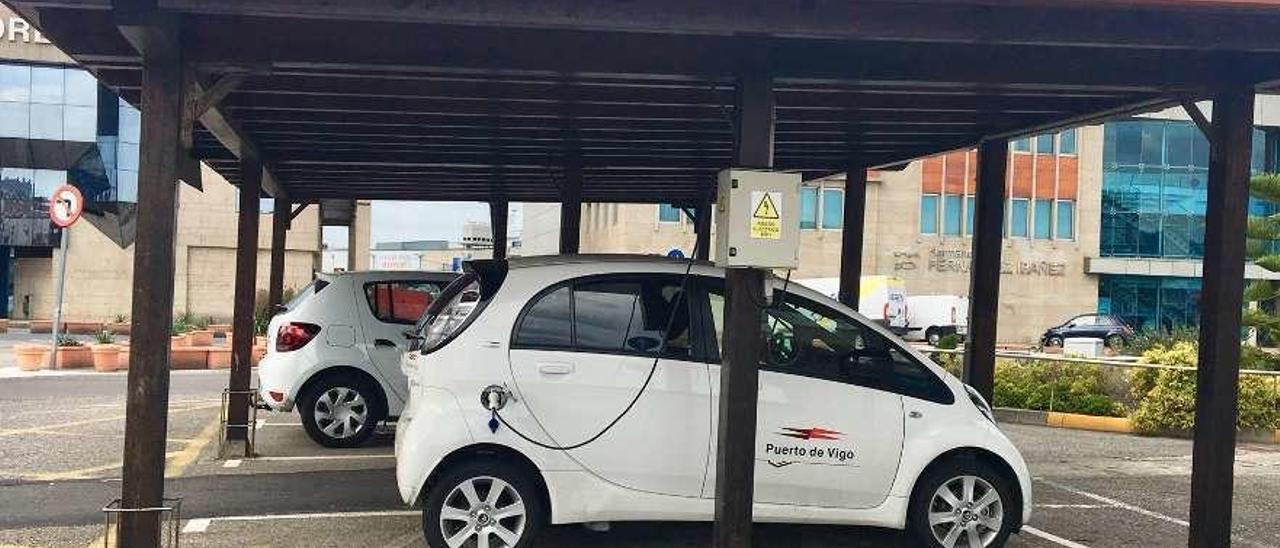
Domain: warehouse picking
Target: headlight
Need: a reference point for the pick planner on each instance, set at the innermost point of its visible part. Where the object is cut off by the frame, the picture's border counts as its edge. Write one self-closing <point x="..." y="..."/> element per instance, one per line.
<point x="980" y="403"/>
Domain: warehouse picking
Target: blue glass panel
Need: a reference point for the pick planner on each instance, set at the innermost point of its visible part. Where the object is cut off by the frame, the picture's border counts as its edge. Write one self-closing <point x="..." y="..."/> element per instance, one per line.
<point x="1067" y="142"/>
<point x="929" y="214"/>
<point x="1019" y="216"/>
<point x="1044" y="144"/>
<point x="1022" y="145"/>
<point x="81" y="88"/>
<point x="832" y="208"/>
<point x="1153" y="143"/>
<point x="127" y="188"/>
<point x="969" y="208"/>
<point x="1178" y="143"/>
<point x="808" y="207"/>
<point x="46" y="85"/>
<point x="46" y="122"/>
<point x="15" y="120"/>
<point x="1259" y="151"/>
<point x="951" y="215"/>
<point x="1066" y="220"/>
<point x="130" y="123"/>
<point x="80" y="123"/>
<point x="1044" y="219"/>
<point x="47" y="180"/>
<point x="128" y="156"/>
<point x="1150" y="302"/>
<point x="667" y="213"/>
<point x="15" y="83"/>
<point x="1127" y="143"/>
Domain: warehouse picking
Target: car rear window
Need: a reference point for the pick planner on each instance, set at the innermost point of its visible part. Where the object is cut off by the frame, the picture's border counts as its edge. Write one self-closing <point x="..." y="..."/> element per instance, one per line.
<point x="400" y="301"/>
<point x="312" y="288"/>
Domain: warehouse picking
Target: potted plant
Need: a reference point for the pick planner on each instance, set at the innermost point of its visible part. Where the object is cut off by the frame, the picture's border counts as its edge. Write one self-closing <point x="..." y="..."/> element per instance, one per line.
<point x="120" y="325"/>
<point x="122" y="359"/>
<point x="83" y="328"/>
<point x="188" y="357"/>
<point x="41" y="326"/>
<point x="4" y="325"/>
<point x="179" y="332"/>
<point x="31" y="357"/>
<point x="106" y="355"/>
<point x="218" y="328"/>
<point x="200" y="334"/>
<point x="219" y="357"/>
<point x="71" y="354"/>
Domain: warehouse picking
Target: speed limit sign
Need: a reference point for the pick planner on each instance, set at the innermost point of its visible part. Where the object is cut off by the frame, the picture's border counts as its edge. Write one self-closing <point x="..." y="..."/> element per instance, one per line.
<point x="66" y="205"/>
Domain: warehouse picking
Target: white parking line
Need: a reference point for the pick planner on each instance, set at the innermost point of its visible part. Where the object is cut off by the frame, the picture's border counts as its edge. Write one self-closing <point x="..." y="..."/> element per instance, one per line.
<point x="232" y="463"/>
<point x="198" y="525"/>
<point x="1116" y="503"/>
<point x="1079" y="506"/>
<point x="1052" y="537"/>
<point x="325" y="457"/>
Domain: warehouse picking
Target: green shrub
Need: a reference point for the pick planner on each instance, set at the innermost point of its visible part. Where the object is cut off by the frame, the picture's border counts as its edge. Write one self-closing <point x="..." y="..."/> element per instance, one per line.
<point x="953" y="363"/>
<point x="1256" y="359"/>
<point x="104" y="337"/>
<point x="1054" y="386"/>
<point x="1148" y="338"/>
<point x="181" y="324"/>
<point x="950" y="341"/>
<point x="1167" y="398"/>
<point x="68" y="340"/>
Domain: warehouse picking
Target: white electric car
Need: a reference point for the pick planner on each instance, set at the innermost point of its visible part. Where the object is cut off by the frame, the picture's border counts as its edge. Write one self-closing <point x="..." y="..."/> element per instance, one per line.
<point x="606" y="373"/>
<point x="334" y="352"/>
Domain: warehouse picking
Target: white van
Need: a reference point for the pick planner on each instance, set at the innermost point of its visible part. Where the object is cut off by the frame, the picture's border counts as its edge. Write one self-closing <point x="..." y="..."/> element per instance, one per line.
<point x="932" y="317"/>
<point x="882" y="299"/>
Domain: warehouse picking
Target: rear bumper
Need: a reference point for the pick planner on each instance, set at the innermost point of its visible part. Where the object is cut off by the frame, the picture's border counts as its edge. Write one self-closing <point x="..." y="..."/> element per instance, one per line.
<point x="276" y="379"/>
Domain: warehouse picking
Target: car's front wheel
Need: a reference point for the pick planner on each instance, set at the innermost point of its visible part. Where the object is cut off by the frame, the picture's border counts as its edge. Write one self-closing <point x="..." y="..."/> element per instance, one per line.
<point x="962" y="503"/>
<point x="482" y="503"/>
<point x="1053" y="341"/>
<point x="341" y="410"/>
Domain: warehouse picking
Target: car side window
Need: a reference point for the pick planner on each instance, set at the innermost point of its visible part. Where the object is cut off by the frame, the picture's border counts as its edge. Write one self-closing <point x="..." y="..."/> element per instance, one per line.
<point x="400" y="301"/>
<point x="611" y="314"/>
<point x="548" y="323"/>
<point x="805" y="338"/>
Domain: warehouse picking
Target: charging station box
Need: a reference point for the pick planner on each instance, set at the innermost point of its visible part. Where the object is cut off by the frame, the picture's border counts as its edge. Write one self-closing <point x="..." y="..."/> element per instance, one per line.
<point x="758" y="219"/>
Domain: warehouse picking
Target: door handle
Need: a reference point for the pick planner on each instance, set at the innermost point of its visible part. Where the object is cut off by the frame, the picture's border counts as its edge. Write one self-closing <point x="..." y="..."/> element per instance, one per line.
<point x="915" y="414"/>
<point x="384" y="343"/>
<point x="555" y="368"/>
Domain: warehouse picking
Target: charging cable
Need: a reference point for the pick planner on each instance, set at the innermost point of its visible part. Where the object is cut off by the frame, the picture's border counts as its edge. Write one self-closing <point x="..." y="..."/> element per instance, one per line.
<point x="495" y="397"/>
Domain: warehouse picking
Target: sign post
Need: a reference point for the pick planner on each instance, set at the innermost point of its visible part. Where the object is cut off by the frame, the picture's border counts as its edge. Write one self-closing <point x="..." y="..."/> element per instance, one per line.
<point x="65" y="206"/>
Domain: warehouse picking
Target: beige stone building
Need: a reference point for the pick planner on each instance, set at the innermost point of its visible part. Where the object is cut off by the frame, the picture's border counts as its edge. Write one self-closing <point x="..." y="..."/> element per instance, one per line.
<point x="100" y="273"/>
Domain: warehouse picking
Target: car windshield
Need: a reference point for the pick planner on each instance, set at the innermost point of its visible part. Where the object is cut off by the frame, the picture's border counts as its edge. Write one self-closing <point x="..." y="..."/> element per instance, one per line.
<point x="449" y="312"/>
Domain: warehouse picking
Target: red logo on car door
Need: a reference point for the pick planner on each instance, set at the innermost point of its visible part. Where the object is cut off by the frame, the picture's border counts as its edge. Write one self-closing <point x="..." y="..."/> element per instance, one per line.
<point x="811" y="433"/>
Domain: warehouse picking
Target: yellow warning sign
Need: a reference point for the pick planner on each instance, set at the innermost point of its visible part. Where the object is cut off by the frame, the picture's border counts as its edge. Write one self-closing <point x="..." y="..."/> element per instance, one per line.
<point x="766" y="215"/>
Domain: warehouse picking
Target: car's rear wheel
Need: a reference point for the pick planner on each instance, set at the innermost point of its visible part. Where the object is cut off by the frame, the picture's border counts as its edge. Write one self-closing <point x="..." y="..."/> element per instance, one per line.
<point x="483" y="503"/>
<point x="1114" y="342"/>
<point x="341" y="410"/>
<point x="932" y="336"/>
<point x="1053" y="341"/>
<point x="962" y="503"/>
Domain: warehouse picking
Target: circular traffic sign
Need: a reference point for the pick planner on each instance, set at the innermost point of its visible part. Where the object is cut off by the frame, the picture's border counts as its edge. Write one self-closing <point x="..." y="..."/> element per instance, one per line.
<point x="65" y="205"/>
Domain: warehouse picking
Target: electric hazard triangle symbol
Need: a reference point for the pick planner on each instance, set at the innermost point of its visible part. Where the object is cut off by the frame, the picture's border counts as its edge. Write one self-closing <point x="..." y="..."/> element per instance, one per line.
<point x="765" y="209"/>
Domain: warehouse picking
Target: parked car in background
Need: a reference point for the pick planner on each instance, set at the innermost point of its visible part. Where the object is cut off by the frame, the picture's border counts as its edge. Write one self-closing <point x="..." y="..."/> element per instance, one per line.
<point x="932" y="317"/>
<point x="334" y="352"/>
<point x="608" y="367"/>
<point x="883" y="299"/>
<point x="1110" y="329"/>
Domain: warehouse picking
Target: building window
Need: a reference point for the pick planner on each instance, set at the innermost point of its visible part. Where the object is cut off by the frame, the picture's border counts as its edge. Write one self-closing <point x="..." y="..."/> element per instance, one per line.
<point x="832" y="208"/>
<point x="929" y="214"/>
<point x="668" y="213"/>
<point x="1022" y="145"/>
<point x="951" y="215"/>
<point x="809" y="207"/>
<point x="1067" y="142"/>
<point x="1019" y="215"/>
<point x="1044" y="144"/>
<point x="970" y="208"/>
<point x="1044" y="219"/>
<point x="1150" y="302"/>
<point x="1066" y="220"/>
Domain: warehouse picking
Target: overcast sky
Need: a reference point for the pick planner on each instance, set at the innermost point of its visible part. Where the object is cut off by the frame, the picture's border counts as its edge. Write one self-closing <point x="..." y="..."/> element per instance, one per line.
<point x="402" y="221"/>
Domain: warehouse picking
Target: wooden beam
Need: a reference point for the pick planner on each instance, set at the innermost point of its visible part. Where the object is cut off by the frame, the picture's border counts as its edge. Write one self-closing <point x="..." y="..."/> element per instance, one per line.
<point x="498" y="223"/>
<point x="1218" y="365"/>
<point x="245" y="292"/>
<point x="702" y="226"/>
<point x="1197" y="116"/>
<point x="215" y="93"/>
<point x="984" y="274"/>
<point x="280" y="216"/>
<point x="298" y="210"/>
<point x="571" y="209"/>
<point x="147" y="396"/>
<point x="855" y="207"/>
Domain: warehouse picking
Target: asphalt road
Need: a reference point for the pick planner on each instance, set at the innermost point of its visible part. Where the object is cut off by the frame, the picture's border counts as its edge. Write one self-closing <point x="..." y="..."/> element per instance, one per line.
<point x="59" y="465"/>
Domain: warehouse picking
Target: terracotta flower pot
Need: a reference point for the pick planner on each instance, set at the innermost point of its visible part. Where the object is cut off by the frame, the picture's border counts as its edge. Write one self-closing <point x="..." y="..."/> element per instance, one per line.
<point x="73" y="357"/>
<point x="119" y="328"/>
<point x="223" y="328"/>
<point x="122" y="358"/>
<point x="201" y="337"/>
<point x="219" y="357"/>
<point x="259" y="351"/>
<point x="4" y="325"/>
<point x="180" y="341"/>
<point x="31" y="357"/>
<point x="188" y="357"/>
<point x="260" y="341"/>
<point x="82" y="328"/>
<point x="106" y="357"/>
<point x="41" y="326"/>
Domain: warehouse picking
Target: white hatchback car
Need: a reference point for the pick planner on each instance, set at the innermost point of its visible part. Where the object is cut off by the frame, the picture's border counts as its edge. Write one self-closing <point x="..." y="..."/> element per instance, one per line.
<point x="610" y="366"/>
<point x="334" y="352"/>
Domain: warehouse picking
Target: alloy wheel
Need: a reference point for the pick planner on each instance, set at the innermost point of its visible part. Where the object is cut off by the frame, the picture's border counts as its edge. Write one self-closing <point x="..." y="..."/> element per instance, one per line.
<point x="966" y="511"/>
<point x="340" y="412"/>
<point x="483" y="512"/>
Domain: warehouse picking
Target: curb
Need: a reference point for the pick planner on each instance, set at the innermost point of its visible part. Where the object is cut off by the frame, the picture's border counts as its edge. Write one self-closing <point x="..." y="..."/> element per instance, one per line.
<point x="1116" y="425"/>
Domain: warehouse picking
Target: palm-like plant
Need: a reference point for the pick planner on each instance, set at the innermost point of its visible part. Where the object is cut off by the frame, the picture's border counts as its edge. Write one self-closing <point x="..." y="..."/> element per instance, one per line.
<point x="1262" y="233"/>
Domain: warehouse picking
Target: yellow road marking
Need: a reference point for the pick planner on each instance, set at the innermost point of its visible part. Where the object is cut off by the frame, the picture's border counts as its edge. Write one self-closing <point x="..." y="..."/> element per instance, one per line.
<point x="81" y="473"/>
<point x="83" y="435"/>
<point x="187" y="456"/>
<point x="36" y="429"/>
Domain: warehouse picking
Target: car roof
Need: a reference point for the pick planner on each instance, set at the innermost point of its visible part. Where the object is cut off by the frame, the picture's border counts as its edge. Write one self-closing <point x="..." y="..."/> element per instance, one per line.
<point x="596" y="258"/>
<point x="428" y="274"/>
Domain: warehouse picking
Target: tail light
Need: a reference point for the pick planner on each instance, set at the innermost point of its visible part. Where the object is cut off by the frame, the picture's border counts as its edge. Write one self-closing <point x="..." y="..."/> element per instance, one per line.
<point x="885" y="313"/>
<point x="295" y="335"/>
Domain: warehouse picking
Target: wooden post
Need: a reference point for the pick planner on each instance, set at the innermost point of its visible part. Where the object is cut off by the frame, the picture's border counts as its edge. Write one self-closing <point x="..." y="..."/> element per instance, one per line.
<point x="280" y="214"/>
<point x="571" y="209"/>
<point x="246" y="287"/>
<point x="744" y="343"/>
<point x="855" y="209"/>
<point x="498" y="222"/>
<point x="147" y="400"/>
<point x="702" y="227"/>
<point x="1218" y="368"/>
<point x="984" y="273"/>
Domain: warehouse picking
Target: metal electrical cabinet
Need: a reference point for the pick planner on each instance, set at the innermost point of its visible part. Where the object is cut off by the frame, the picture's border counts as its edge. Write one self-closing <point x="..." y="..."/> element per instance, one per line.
<point x="758" y="219"/>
